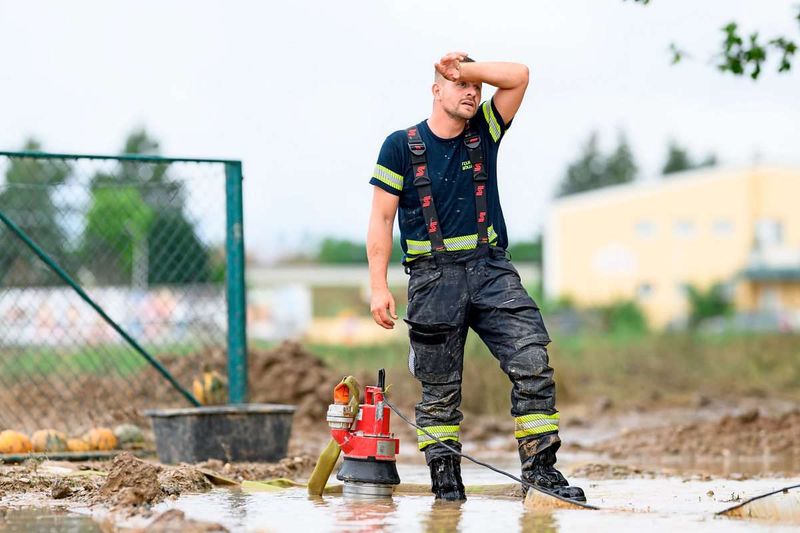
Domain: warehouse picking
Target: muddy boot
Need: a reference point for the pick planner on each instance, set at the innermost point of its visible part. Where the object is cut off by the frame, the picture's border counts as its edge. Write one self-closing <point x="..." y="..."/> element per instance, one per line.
<point x="538" y="455"/>
<point x="446" y="478"/>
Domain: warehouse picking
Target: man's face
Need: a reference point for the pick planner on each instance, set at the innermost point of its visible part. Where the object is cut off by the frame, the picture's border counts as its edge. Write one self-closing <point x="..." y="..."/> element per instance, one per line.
<point x="459" y="99"/>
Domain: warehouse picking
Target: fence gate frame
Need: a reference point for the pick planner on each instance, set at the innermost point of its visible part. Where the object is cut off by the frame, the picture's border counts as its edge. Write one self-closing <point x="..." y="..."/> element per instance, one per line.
<point x="234" y="257"/>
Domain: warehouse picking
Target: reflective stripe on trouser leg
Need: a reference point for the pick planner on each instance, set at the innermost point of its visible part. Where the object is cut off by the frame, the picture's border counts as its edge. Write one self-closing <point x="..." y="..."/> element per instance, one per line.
<point x="535" y="424"/>
<point x="443" y="433"/>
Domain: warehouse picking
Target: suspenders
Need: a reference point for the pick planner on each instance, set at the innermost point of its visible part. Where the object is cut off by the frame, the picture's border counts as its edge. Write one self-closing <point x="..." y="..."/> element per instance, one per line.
<point x="422" y="182"/>
<point x="479" y="177"/>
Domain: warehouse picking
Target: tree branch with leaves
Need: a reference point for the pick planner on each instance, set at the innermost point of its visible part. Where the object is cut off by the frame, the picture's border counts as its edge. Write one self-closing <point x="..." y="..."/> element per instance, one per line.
<point x="743" y="54"/>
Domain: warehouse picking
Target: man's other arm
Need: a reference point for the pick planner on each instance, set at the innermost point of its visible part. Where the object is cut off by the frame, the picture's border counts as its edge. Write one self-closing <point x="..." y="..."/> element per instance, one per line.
<point x="379" y="251"/>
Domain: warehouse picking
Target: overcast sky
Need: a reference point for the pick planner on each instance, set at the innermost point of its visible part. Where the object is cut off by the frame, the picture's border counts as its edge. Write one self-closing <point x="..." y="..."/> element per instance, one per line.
<point x="304" y="92"/>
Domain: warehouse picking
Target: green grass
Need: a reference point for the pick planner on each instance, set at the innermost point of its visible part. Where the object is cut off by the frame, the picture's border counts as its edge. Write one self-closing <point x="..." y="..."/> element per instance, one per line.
<point x="629" y="369"/>
<point x="119" y="360"/>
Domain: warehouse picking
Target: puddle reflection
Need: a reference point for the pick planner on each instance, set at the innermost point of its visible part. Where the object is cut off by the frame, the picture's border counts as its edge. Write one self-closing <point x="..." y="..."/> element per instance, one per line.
<point x="443" y="517"/>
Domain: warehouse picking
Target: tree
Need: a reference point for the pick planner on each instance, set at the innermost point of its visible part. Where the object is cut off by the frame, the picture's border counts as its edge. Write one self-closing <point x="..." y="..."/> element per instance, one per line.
<point x="344" y="251"/>
<point x="527" y="250"/>
<point x="333" y="250"/>
<point x="707" y="304"/>
<point x="155" y="232"/>
<point x="624" y="317"/>
<point x="593" y="170"/>
<point x="620" y="166"/>
<point x="176" y="254"/>
<point x="742" y="55"/>
<point x="586" y="172"/>
<point x="27" y="199"/>
<point x="678" y="160"/>
<point x="118" y="222"/>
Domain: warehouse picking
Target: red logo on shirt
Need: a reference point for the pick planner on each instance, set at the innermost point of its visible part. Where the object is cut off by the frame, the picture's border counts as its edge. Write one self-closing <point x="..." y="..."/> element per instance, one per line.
<point x="480" y="190"/>
<point x="426" y="201"/>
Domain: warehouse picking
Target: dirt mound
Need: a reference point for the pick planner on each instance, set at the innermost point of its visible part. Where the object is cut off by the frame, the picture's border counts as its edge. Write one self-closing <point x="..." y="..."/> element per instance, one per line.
<point x="289" y="467"/>
<point x="746" y="434"/>
<point x="287" y="374"/>
<point x="291" y="374"/>
<point x="182" y="478"/>
<point x="132" y="481"/>
<point x="609" y="471"/>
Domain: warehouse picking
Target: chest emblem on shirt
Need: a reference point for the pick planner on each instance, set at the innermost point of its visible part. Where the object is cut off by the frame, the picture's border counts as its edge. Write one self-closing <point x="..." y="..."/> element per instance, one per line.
<point x="466" y="165"/>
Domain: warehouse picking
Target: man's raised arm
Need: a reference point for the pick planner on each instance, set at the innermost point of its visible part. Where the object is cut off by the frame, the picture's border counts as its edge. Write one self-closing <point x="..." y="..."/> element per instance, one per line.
<point x="511" y="79"/>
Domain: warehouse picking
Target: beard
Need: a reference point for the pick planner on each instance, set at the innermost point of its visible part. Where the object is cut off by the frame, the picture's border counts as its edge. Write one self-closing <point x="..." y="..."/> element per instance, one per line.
<point x="458" y="113"/>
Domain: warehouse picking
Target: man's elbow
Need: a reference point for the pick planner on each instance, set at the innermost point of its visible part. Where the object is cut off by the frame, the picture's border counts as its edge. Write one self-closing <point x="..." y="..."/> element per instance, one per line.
<point x="524" y="75"/>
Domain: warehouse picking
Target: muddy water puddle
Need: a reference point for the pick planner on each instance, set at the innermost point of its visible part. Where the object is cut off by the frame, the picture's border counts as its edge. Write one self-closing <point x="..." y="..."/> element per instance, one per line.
<point x="666" y="504"/>
<point x="45" y="520"/>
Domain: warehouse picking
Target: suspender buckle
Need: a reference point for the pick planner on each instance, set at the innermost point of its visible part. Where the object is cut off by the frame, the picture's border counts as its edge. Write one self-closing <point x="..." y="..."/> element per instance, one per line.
<point x="417" y="147"/>
<point x="472" y="140"/>
<point x="479" y="172"/>
<point x="421" y="180"/>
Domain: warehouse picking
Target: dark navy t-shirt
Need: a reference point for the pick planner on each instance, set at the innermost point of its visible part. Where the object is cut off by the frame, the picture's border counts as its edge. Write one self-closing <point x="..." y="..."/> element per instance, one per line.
<point x="450" y="171"/>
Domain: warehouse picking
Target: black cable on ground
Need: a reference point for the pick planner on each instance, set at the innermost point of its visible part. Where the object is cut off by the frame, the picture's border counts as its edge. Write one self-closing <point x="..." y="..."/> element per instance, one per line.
<point x="486" y="465"/>
<point x="754" y="498"/>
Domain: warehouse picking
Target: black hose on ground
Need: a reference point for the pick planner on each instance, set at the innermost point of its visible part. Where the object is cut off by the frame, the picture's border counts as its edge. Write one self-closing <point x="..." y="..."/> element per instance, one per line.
<point x="486" y="465"/>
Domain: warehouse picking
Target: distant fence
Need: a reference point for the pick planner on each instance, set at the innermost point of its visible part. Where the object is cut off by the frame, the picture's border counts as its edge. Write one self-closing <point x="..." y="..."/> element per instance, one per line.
<point x="156" y="243"/>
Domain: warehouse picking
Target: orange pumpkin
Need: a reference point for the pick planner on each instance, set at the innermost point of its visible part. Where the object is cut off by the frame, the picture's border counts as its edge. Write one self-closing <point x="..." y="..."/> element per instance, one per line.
<point x="14" y="442"/>
<point x="49" y="440"/>
<point x="101" y="439"/>
<point x="77" y="445"/>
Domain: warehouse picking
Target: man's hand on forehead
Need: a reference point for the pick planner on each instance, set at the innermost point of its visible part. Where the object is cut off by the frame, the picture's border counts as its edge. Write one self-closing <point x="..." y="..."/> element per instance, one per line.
<point x="449" y="66"/>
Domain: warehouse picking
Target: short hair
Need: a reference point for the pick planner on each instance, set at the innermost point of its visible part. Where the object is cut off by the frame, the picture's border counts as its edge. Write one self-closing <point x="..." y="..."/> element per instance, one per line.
<point x="437" y="76"/>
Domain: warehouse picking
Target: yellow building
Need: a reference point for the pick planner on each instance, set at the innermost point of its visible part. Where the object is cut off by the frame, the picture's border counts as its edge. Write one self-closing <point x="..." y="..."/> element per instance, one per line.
<point x="648" y="240"/>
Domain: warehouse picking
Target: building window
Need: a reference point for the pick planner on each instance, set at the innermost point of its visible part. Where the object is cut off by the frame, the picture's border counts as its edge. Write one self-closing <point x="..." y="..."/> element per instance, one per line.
<point x="684" y="229"/>
<point x="645" y="229"/>
<point x="769" y="232"/>
<point x="722" y="228"/>
<point x="644" y="291"/>
<point x="769" y="300"/>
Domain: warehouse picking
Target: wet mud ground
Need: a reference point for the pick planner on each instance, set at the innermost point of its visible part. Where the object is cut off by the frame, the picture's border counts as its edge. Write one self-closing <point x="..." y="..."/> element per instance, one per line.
<point x="661" y="470"/>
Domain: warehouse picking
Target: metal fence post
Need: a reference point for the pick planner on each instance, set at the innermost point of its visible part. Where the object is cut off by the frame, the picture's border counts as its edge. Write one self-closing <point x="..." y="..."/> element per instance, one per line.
<point x="237" y="306"/>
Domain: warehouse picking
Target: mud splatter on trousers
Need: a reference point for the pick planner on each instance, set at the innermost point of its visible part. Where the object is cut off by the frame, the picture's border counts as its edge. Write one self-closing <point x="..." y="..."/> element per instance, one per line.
<point x="448" y="293"/>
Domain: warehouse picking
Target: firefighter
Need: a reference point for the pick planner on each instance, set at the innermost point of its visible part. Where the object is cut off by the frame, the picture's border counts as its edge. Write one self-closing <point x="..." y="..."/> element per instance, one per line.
<point x="441" y="176"/>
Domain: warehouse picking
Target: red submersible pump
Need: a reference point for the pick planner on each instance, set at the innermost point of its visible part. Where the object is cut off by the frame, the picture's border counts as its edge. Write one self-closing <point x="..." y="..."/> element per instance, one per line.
<point x="370" y="448"/>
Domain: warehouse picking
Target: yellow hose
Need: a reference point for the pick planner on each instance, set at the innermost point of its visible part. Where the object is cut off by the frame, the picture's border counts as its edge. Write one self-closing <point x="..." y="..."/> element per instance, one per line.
<point x="322" y="471"/>
<point x="327" y="459"/>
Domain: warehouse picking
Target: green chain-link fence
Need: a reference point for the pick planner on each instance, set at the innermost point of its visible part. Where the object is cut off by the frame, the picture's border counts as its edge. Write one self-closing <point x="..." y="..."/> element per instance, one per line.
<point x="156" y="244"/>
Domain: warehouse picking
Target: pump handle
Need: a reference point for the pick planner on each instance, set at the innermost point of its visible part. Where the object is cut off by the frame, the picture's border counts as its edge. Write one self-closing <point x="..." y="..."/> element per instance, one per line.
<point x="381" y="378"/>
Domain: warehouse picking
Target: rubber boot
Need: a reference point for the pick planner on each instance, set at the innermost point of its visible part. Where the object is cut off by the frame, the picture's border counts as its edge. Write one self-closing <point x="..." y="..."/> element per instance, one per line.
<point x="446" y="478"/>
<point x="538" y="455"/>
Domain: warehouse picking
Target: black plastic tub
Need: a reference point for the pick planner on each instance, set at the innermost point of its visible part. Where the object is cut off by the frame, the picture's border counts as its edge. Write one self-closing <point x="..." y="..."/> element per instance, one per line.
<point x="257" y="432"/>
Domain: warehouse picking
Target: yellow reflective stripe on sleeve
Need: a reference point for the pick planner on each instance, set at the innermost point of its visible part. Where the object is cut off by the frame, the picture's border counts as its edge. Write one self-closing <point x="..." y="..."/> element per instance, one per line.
<point x="491" y="120"/>
<point x="535" y="424"/>
<point x="440" y="432"/>
<point x="390" y="178"/>
<point x="452" y="244"/>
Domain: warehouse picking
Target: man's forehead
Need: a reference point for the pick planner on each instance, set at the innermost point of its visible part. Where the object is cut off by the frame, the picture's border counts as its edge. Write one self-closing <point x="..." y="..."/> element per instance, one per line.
<point x="475" y="84"/>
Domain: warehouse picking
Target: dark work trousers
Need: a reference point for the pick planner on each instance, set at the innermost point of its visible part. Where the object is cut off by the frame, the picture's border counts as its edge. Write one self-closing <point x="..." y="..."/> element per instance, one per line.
<point x="479" y="289"/>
